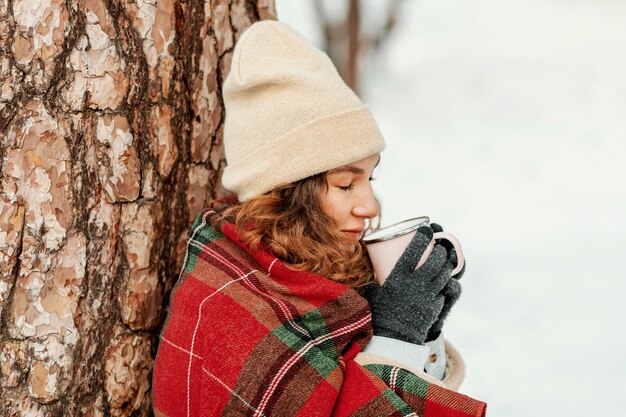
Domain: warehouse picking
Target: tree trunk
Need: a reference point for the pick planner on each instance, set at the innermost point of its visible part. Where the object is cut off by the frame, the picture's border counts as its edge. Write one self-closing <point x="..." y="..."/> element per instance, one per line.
<point x="110" y="142"/>
<point x="346" y="38"/>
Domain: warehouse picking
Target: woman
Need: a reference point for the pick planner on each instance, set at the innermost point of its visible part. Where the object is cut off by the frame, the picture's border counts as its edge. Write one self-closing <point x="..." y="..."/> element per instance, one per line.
<point x="268" y="316"/>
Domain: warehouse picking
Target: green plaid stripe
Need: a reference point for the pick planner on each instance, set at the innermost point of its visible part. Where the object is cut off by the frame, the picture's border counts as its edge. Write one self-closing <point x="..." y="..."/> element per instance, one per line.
<point x="315" y="323"/>
<point x="404" y="380"/>
<point x="324" y="358"/>
<point x="397" y="402"/>
<point x="201" y="233"/>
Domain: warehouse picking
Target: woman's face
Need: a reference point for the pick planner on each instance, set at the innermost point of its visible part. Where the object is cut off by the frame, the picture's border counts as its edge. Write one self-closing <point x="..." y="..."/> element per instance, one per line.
<point x="350" y="200"/>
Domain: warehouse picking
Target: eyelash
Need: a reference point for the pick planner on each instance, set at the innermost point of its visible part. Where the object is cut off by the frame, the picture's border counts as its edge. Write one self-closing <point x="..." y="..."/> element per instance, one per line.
<point x="351" y="186"/>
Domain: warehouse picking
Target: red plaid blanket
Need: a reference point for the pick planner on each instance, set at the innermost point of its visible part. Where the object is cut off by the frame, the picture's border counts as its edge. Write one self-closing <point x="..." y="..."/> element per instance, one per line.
<point x="247" y="336"/>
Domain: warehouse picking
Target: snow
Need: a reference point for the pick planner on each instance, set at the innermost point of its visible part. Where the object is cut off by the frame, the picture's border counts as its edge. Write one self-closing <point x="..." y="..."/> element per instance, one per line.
<point x="505" y="122"/>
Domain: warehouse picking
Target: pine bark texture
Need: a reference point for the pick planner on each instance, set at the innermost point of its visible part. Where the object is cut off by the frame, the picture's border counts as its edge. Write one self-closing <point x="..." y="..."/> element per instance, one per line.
<point x="110" y="142"/>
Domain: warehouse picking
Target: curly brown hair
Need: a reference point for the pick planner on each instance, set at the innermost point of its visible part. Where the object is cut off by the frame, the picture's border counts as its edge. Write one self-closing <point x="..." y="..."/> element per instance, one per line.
<point x="290" y="221"/>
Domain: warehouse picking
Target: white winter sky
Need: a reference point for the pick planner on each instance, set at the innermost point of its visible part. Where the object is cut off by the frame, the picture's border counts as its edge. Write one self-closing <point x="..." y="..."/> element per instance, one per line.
<point x="505" y="121"/>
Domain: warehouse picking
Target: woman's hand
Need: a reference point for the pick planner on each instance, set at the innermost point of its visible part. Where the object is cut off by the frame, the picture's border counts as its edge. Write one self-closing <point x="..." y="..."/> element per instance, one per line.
<point x="451" y="292"/>
<point x="410" y="301"/>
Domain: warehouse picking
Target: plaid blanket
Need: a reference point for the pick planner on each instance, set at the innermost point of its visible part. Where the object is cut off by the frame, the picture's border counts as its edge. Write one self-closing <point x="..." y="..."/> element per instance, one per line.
<point x="247" y="336"/>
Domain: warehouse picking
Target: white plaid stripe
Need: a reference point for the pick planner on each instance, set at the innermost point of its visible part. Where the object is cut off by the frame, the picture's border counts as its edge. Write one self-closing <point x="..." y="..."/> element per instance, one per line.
<point x="230" y="390"/>
<point x="300" y="354"/>
<point x="293" y="323"/>
<point x="195" y="332"/>
<point x="392" y="385"/>
<point x="191" y="239"/>
<point x="182" y="349"/>
<point x="238" y="271"/>
<point x="392" y="379"/>
<point x="269" y="270"/>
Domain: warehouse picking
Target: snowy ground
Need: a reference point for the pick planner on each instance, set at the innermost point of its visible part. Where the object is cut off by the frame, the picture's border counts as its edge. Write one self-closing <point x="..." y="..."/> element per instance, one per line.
<point x="506" y="121"/>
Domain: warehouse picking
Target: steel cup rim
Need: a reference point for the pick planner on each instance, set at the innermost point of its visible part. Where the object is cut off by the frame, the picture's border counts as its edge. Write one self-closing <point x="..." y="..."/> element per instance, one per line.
<point x="414" y="224"/>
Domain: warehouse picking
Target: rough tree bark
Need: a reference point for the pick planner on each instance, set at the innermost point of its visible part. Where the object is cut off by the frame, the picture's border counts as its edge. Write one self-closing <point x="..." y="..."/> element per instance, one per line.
<point x="110" y="142"/>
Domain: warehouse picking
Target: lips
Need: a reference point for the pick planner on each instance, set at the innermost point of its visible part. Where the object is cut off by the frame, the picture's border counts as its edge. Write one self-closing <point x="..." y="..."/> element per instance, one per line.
<point x="354" y="234"/>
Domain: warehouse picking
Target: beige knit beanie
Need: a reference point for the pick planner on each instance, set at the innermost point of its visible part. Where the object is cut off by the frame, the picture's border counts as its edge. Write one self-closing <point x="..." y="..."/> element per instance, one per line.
<point x="289" y="114"/>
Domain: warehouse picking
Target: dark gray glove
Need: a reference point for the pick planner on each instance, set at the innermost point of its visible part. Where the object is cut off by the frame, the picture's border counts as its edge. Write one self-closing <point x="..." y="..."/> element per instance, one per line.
<point x="410" y="300"/>
<point x="451" y="292"/>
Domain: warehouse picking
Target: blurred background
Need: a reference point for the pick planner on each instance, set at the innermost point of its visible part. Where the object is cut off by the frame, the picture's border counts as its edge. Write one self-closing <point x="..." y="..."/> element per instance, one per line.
<point x="505" y="122"/>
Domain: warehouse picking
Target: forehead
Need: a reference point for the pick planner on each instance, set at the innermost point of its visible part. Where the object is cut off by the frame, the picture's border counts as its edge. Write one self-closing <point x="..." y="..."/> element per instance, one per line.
<point x="358" y="167"/>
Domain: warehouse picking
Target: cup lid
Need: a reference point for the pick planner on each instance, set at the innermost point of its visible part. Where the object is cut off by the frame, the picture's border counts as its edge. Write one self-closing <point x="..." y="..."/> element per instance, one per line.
<point x="396" y="229"/>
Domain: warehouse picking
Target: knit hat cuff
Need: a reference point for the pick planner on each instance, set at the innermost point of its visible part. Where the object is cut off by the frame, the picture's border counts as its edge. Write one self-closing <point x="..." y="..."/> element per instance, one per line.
<point x="315" y="147"/>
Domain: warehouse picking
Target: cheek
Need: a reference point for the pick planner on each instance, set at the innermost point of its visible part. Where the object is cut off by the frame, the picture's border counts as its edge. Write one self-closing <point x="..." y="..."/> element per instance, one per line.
<point x="332" y="207"/>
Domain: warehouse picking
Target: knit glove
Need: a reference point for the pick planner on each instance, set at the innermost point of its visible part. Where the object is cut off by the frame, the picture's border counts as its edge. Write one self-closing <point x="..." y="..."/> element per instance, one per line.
<point x="451" y="292"/>
<point x="410" y="300"/>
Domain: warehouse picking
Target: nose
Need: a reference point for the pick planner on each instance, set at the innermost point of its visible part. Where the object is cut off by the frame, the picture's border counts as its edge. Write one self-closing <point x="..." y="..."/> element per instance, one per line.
<point x="367" y="205"/>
